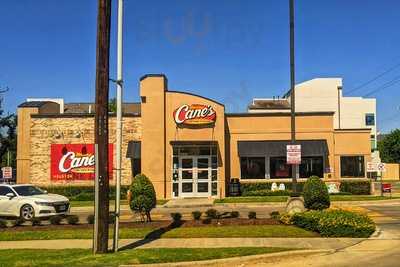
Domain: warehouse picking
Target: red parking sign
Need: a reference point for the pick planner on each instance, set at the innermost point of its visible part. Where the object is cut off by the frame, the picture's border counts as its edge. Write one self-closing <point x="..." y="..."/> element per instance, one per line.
<point x="7" y="172"/>
<point x="293" y="154"/>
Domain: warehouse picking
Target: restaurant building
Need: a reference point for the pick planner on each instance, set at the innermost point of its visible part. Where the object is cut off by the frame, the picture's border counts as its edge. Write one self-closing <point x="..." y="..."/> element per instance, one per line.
<point x="186" y="144"/>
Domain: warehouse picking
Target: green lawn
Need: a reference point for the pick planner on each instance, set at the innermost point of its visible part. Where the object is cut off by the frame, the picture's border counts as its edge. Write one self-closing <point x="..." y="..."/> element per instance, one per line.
<point x="182" y="232"/>
<point x="284" y="198"/>
<point x="85" y="258"/>
<point x="69" y="234"/>
<point x="123" y="202"/>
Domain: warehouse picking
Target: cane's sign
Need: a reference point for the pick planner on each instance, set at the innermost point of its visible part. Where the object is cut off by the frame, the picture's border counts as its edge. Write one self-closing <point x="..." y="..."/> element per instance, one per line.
<point x="195" y="114"/>
<point x="75" y="161"/>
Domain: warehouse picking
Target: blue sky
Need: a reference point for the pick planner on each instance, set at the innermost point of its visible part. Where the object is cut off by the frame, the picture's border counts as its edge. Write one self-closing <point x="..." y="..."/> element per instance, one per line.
<point x="229" y="50"/>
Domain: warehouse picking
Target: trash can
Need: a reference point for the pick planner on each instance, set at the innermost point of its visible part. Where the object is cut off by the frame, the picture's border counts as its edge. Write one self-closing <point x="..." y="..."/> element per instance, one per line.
<point x="234" y="187"/>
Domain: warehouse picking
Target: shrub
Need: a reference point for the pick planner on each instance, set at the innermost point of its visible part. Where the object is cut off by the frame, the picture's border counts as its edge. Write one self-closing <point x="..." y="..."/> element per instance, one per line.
<point x="207" y="221"/>
<point x="316" y="196"/>
<point x="245" y="188"/>
<point x="80" y="193"/>
<point x="212" y="213"/>
<point x="19" y="222"/>
<point x="3" y="223"/>
<point x="235" y="214"/>
<point x="143" y="196"/>
<point x="90" y="219"/>
<point x="252" y="215"/>
<point x="335" y="223"/>
<point x="196" y="215"/>
<point x="275" y="215"/>
<point x="286" y="218"/>
<point x="36" y="221"/>
<point x="356" y="187"/>
<point x="176" y="217"/>
<point x="73" y="219"/>
<point x="266" y="192"/>
<point x="55" y="220"/>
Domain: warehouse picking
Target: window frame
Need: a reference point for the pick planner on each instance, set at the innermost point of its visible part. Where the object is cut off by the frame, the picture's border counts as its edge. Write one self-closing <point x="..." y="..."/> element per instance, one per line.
<point x="258" y="177"/>
<point x="367" y="122"/>
<point x="353" y="176"/>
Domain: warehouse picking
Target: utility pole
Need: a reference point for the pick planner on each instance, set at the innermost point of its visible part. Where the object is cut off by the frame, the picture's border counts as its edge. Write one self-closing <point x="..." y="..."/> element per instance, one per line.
<point x="119" y="125"/>
<point x="101" y="126"/>
<point x="292" y="92"/>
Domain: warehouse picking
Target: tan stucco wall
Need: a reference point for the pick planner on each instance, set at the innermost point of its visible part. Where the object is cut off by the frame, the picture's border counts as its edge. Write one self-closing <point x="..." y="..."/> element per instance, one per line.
<point x="275" y="128"/>
<point x="212" y="133"/>
<point x="392" y="172"/>
<point x="352" y="143"/>
<point x="159" y="129"/>
<point x="23" y="141"/>
<point x="43" y="134"/>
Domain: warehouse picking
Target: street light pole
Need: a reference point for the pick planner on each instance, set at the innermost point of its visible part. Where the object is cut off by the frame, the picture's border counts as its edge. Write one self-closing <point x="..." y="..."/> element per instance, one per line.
<point x="101" y="125"/>
<point x="119" y="126"/>
<point x="292" y="92"/>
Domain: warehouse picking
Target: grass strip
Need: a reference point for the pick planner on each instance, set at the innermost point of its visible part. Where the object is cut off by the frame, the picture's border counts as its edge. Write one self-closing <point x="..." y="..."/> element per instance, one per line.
<point x="182" y="232"/>
<point x="85" y="258"/>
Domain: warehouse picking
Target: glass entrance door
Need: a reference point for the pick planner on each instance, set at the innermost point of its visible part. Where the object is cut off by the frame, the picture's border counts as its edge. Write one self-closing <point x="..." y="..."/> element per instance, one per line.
<point x="195" y="176"/>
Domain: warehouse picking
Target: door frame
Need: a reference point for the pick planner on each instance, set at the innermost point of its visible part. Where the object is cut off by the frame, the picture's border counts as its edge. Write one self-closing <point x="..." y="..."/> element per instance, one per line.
<point x="195" y="180"/>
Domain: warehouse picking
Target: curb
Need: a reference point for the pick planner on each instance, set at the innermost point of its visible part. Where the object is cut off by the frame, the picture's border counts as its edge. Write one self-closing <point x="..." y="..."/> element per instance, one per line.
<point x="236" y="260"/>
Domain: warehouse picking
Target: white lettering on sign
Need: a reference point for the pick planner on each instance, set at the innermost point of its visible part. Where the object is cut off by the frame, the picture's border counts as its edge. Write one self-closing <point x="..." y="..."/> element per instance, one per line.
<point x="69" y="161"/>
<point x="194" y="114"/>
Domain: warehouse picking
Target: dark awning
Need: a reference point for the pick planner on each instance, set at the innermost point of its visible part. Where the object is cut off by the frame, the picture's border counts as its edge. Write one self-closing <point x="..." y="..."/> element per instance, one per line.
<point x="278" y="148"/>
<point x="134" y="150"/>
<point x="194" y="142"/>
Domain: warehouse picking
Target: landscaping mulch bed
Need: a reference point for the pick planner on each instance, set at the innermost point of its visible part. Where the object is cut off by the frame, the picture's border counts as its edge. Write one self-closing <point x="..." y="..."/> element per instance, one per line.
<point x="230" y="221"/>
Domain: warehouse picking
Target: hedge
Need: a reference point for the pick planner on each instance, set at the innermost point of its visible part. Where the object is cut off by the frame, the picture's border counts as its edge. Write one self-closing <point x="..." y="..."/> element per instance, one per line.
<point x="246" y="188"/>
<point x="335" y="223"/>
<point x="356" y="187"/>
<point x="82" y="193"/>
<point x="266" y="192"/>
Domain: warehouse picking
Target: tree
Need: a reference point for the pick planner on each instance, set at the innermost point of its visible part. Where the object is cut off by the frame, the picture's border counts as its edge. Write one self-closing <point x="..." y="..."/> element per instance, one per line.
<point x="316" y="196"/>
<point x="112" y="105"/>
<point x="8" y="140"/>
<point x="389" y="147"/>
<point x="143" y="196"/>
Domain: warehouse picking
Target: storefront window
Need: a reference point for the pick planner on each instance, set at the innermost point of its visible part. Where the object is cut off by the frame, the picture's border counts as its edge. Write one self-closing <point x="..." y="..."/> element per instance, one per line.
<point x="252" y="167"/>
<point x="311" y="166"/>
<point x="352" y="166"/>
<point x="279" y="168"/>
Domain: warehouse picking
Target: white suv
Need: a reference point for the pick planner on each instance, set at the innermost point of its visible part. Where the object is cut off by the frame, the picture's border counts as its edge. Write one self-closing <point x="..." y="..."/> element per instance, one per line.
<point x="28" y="201"/>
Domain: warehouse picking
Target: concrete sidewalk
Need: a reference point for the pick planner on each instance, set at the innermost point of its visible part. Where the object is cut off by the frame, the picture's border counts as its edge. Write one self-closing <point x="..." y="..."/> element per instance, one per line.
<point x="301" y="243"/>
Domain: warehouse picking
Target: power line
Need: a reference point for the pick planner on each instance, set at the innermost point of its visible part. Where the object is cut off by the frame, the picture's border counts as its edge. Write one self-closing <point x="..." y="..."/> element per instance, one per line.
<point x="375" y="78"/>
<point x="384" y="86"/>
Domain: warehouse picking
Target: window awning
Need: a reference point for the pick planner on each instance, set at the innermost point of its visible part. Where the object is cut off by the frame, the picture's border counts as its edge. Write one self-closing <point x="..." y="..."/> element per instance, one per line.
<point x="134" y="150"/>
<point x="278" y="148"/>
<point x="194" y="142"/>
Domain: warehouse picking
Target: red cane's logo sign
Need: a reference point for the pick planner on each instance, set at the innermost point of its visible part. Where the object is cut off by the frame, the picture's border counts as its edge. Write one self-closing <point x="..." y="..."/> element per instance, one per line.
<point x="75" y="162"/>
<point x="195" y="114"/>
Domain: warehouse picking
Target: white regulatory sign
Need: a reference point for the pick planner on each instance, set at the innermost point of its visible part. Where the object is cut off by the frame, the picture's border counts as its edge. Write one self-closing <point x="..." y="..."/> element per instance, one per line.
<point x="7" y="172"/>
<point x="382" y="167"/>
<point x="372" y="167"/>
<point x="293" y="154"/>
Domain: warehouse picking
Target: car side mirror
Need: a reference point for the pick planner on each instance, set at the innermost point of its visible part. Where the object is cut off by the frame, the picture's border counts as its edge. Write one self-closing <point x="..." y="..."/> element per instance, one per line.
<point x="10" y="195"/>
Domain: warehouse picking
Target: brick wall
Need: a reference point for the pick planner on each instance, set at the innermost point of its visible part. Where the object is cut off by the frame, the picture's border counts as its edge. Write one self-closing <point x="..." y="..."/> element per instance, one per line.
<point x="74" y="130"/>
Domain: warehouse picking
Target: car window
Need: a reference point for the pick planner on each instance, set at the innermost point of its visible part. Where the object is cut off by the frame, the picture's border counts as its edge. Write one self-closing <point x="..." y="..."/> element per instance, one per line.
<point x="28" y="190"/>
<point x="4" y="190"/>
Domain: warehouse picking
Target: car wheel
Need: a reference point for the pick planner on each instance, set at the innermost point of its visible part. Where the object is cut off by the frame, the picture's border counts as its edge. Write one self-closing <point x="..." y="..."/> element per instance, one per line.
<point x="27" y="212"/>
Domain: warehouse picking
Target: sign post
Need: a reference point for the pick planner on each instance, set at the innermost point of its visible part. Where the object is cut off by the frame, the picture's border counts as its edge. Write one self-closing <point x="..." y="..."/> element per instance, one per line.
<point x="381" y="167"/>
